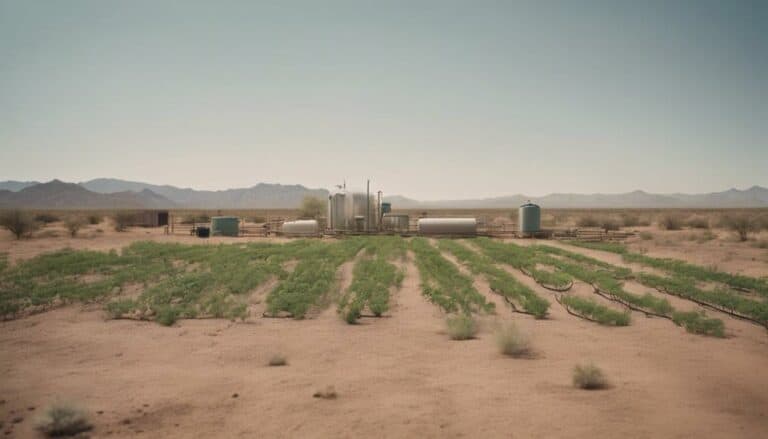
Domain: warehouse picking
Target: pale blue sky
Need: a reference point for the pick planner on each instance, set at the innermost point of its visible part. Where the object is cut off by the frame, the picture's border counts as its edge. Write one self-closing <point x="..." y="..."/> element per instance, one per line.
<point x="429" y="99"/>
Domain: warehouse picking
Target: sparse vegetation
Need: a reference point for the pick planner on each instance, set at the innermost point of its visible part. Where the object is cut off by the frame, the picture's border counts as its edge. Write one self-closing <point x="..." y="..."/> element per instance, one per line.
<point x="94" y="219"/>
<point x="62" y="419"/>
<point x="461" y="326"/>
<point x="589" y="377"/>
<point x="670" y="222"/>
<point x="587" y="221"/>
<point x="46" y="218"/>
<point x="512" y="342"/>
<point x="123" y="220"/>
<point x="743" y="225"/>
<point x="698" y="222"/>
<point x="18" y="222"/>
<point x="646" y="236"/>
<point x="73" y="225"/>
<point x="312" y="207"/>
<point x="278" y="360"/>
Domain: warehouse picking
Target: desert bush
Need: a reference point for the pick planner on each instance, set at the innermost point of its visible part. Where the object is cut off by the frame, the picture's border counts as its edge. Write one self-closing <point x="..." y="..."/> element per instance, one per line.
<point x="761" y="243"/>
<point x="630" y="220"/>
<point x="46" y="218"/>
<point x="589" y="377"/>
<point x="94" y="219"/>
<point x="610" y="224"/>
<point x="461" y="327"/>
<point x="646" y="236"/>
<point x="258" y="219"/>
<point x="278" y="360"/>
<point x="587" y="221"/>
<point x="670" y="222"/>
<point x="698" y="222"/>
<point x="193" y="219"/>
<point x="312" y="207"/>
<point x="123" y="220"/>
<point x="512" y="342"/>
<point x="743" y="225"/>
<point x="74" y="224"/>
<point x="18" y="222"/>
<point x="62" y="419"/>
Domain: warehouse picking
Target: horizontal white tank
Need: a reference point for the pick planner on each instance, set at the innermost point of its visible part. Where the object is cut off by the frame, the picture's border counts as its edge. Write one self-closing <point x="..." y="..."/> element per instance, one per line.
<point x="301" y="228"/>
<point x="447" y="226"/>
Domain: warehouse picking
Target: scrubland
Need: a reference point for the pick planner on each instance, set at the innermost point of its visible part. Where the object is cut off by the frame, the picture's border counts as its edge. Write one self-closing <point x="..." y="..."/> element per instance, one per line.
<point x="141" y="333"/>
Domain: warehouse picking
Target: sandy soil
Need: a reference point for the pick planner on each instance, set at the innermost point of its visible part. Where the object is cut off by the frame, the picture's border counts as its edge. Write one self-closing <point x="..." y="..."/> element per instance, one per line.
<point x="398" y="376"/>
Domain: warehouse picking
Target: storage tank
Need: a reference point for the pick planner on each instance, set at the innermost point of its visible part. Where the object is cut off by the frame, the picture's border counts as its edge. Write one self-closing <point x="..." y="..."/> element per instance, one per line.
<point x="395" y="222"/>
<point x="529" y="217"/>
<point x="225" y="226"/>
<point x="447" y="226"/>
<point x="301" y="228"/>
<point x="346" y="209"/>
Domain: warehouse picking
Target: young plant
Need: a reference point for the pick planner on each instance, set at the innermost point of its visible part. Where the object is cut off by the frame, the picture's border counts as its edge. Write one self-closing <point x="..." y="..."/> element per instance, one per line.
<point x="461" y="326"/>
<point x="589" y="377"/>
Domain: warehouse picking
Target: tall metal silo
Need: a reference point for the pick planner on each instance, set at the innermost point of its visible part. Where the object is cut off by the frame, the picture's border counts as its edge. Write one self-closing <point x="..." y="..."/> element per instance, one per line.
<point x="529" y="216"/>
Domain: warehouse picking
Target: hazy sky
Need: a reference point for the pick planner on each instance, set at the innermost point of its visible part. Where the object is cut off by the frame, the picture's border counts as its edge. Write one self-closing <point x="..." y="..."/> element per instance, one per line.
<point x="429" y="99"/>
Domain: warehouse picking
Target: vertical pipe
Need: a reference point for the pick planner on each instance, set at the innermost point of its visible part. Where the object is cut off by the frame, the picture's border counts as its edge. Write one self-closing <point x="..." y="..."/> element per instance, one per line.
<point x="368" y="202"/>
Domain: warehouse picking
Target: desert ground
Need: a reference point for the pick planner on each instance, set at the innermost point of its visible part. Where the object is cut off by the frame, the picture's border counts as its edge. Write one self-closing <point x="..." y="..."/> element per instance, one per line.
<point x="396" y="376"/>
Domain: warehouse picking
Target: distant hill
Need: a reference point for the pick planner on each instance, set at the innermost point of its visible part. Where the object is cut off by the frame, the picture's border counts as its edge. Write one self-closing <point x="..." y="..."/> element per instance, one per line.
<point x="59" y="195"/>
<point x="262" y="195"/>
<point x="755" y="196"/>
<point x="15" y="186"/>
<point x="113" y="193"/>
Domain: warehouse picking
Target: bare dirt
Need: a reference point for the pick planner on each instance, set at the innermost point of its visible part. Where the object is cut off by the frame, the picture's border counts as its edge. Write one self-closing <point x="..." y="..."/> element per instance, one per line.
<point x="399" y="376"/>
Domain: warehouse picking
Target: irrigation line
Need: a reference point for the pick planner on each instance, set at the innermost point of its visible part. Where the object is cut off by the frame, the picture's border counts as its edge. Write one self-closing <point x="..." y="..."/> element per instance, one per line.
<point x="715" y="308"/>
<point x="512" y="304"/>
<point x="567" y="309"/>
<point x="548" y="287"/>
<point x="616" y="299"/>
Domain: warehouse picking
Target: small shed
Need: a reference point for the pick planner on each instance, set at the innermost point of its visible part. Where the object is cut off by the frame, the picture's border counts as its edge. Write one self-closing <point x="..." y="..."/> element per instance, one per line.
<point x="152" y="218"/>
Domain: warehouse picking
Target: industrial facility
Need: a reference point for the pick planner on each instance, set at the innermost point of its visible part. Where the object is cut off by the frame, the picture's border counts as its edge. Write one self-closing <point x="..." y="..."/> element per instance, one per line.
<point x="364" y="212"/>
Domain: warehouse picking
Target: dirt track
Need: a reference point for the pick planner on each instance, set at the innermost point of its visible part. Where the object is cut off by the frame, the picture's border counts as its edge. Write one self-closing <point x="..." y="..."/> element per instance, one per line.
<point x="398" y="376"/>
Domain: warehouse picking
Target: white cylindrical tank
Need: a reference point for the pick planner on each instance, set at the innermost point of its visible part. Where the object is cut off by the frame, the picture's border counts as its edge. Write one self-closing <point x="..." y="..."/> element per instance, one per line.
<point x="301" y="228"/>
<point x="393" y="222"/>
<point x="447" y="226"/>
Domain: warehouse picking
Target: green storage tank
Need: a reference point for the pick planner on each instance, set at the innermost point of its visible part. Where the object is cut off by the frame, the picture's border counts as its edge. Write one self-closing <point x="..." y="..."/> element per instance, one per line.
<point x="529" y="216"/>
<point x="386" y="208"/>
<point x="225" y="226"/>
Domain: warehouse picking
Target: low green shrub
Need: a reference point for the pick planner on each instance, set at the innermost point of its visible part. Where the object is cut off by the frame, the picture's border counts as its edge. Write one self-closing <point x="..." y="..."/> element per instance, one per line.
<point x="512" y="342"/>
<point x="62" y="419"/>
<point x="461" y="326"/>
<point x="589" y="377"/>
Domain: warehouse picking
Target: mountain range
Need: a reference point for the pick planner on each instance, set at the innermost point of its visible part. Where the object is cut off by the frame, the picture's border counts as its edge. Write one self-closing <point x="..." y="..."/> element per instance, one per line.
<point x="113" y="193"/>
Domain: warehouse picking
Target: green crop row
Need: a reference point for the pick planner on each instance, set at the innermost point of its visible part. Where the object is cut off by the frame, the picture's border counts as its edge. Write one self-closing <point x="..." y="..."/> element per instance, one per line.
<point x="607" y="280"/>
<point x="721" y="299"/>
<point x="682" y="268"/>
<point x="527" y="260"/>
<point x="162" y="269"/>
<point x="373" y="276"/>
<point x="312" y="278"/>
<point x="500" y="281"/>
<point x="443" y="284"/>
<point x="594" y="311"/>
